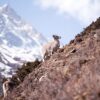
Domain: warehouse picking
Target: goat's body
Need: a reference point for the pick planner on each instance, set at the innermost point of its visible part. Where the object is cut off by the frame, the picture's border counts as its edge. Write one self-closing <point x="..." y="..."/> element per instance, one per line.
<point x="50" y="48"/>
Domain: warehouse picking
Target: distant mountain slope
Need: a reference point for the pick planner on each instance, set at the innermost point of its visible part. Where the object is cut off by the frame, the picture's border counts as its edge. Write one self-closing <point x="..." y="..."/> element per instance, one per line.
<point x="19" y="41"/>
<point x="72" y="73"/>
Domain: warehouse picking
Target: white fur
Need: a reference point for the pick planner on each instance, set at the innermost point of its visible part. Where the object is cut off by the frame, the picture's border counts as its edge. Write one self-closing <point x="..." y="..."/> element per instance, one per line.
<point x="50" y="48"/>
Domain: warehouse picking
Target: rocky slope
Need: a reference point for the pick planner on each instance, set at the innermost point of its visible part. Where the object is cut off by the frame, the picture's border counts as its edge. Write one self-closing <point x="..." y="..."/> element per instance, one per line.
<point x="72" y="73"/>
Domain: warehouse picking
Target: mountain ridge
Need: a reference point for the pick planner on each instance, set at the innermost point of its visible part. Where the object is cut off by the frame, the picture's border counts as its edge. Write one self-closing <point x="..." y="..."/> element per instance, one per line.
<point x="19" y="41"/>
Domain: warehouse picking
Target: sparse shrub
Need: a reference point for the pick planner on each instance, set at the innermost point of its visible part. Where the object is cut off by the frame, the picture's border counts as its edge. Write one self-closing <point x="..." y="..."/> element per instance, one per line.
<point x="26" y="69"/>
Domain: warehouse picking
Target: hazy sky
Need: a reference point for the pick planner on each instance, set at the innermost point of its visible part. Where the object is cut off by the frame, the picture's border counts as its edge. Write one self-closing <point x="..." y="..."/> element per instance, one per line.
<point x="63" y="17"/>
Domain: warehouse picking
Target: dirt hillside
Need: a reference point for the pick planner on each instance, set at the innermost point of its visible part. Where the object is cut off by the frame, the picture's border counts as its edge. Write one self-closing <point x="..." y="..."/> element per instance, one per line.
<point x="71" y="73"/>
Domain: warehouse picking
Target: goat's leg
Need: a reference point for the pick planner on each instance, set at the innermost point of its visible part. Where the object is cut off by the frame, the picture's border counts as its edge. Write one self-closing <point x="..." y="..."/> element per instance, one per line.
<point x="51" y="52"/>
<point x="45" y="56"/>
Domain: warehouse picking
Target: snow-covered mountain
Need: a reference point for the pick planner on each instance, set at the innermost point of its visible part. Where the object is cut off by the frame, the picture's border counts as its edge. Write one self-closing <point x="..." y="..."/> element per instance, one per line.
<point x="19" y="41"/>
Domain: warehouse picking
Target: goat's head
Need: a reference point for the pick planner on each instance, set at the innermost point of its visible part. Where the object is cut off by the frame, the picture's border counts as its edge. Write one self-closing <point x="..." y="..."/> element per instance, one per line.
<point x="56" y="37"/>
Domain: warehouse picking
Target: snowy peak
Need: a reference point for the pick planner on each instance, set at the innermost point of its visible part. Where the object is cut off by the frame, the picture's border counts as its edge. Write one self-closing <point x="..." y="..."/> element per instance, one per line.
<point x="5" y="6"/>
<point x="19" y="41"/>
<point x="6" y="9"/>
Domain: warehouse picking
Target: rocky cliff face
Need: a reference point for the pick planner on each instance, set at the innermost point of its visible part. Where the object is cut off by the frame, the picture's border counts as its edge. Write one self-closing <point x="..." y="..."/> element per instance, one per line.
<point x="72" y="73"/>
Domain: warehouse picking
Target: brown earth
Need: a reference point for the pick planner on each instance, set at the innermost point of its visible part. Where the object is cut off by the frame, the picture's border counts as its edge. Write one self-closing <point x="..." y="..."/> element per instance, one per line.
<point x="71" y="73"/>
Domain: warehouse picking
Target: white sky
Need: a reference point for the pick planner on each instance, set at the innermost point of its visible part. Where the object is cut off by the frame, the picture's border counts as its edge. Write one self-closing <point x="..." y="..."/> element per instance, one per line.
<point x="83" y="10"/>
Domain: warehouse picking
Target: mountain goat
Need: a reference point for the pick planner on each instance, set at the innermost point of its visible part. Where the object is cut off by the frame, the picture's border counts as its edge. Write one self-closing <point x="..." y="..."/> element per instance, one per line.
<point x="51" y="47"/>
